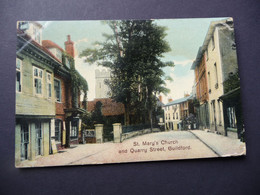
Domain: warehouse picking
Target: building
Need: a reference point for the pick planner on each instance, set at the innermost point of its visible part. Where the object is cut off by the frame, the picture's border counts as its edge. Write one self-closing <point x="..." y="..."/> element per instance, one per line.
<point x="66" y="100"/>
<point x="218" y="53"/>
<point x="101" y="88"/>
<point x="44" y="95"/>
<point x="202" y="93"/>
<point x="175" y="112"/>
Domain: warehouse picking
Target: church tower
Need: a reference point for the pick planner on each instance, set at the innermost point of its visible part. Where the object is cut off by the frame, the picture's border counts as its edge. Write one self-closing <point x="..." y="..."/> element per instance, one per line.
<point x="102" y="90"/>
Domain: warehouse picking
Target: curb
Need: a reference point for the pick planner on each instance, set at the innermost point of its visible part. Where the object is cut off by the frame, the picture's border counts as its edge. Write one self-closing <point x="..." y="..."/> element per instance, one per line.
<point x="205" y="144"/>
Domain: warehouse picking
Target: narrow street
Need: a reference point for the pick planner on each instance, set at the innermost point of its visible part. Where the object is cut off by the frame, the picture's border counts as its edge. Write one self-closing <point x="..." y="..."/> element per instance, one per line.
<point x="150" y="147"/>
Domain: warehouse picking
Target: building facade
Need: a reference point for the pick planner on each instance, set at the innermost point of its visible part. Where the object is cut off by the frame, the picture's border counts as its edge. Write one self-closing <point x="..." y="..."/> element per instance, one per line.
<point x="101" y="88"/>
<point x="43" y="95"/>
<point x="175" y="112"/>
<point x="202" y="94"/>
<point x="218" y="53"/>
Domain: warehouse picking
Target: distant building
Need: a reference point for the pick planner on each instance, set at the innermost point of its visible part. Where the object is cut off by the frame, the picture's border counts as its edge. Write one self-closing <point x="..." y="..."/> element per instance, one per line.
<point x="109" y="107"/>
<point x="176" y="111"/>
<point x="102" y="89"/>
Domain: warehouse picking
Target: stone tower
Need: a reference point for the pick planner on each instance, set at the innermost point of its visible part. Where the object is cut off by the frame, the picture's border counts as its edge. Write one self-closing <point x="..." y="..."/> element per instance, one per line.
<point x="102" y="90"/>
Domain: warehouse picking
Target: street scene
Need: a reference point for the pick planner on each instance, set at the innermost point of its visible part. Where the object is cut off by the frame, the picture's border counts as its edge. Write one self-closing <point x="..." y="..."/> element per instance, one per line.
<point x="95" y="92"/>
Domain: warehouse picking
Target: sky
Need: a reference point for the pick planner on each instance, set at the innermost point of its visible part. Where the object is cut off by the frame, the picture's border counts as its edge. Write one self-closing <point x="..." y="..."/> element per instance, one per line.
<point x="184" y="36"/>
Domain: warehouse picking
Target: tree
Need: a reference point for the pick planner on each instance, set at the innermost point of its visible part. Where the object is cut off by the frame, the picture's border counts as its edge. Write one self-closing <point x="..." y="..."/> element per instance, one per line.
<point x="134" y="54"/>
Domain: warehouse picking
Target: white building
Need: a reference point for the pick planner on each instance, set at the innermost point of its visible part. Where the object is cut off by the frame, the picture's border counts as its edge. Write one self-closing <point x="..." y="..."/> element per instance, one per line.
<point x="221" y="61"/>
<point x="102" y="89"/>
<point x="174" y="113"/>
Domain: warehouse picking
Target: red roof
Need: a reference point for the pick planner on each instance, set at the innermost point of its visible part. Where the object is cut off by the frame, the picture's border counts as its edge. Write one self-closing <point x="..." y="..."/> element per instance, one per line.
<point x="49" y="44"/>
<point x="109" y="107"/>
<point x="29" y="39"/>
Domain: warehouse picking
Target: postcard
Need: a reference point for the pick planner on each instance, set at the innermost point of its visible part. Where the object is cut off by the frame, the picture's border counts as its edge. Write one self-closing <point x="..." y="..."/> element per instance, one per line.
<point x="117" y="91"/>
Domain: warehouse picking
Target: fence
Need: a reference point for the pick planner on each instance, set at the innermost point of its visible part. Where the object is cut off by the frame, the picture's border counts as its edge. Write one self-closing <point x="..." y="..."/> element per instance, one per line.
<point x="131" y="128"/>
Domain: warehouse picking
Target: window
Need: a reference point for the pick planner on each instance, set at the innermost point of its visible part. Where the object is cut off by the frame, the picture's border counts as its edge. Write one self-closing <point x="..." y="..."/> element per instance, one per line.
<point x="24" y="141"/>
<point x="232" y="122"/>
<point x="37" y="75"/>
<point x="209" y="82"/>
<point x="173" y="116"/>
<point x="58" y="125"/>
<point x="216" y="75"/>
<point x="18" y="75"/>
<point x="36" y="35"/>
<point x="57" y="88"/>
<point x="213" y="43"/>
<point x="58" y="54"/>
<point x="48" y="85"/>
<point x="177" y="115"/>
<point x="67" y="62"/>
<point x="74" y="128"/>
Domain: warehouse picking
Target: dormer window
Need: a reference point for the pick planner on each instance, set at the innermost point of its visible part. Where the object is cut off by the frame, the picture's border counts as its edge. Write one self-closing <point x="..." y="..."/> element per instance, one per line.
<point x="67" y="62"/>
<point x="36" y="35"/>
<point x="58" y="54"/>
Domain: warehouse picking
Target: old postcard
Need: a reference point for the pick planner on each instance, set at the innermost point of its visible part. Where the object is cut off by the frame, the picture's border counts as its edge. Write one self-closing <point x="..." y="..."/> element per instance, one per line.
<point x="95" y="92"/>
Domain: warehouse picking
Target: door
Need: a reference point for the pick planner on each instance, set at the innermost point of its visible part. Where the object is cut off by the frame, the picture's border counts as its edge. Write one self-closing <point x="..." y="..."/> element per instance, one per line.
<point x="24" y="141"/>
<point x="38" y="130"/>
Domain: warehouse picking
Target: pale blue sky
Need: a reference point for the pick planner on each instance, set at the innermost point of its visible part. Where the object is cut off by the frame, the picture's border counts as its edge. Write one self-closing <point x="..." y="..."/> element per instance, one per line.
<point x="184" y="36"/>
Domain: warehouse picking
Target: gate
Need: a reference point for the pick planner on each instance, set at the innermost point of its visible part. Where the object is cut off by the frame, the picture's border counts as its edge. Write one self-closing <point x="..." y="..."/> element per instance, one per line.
<point x="108" y="133"/>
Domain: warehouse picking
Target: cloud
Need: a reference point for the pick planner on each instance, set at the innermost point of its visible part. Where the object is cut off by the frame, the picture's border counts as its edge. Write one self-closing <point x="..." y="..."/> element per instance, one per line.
<point x="85" y="40"/>
<point x="183" y="63"/>
<point x="180" y="85"/>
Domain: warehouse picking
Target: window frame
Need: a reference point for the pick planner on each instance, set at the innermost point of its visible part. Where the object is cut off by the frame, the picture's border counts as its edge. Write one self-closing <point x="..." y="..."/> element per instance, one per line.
<point x="74" y="128"/>
<point x="49" y="85"/>
<point x="58" y="123"/>
<point x="38" y="77"/>
<point x="20" y="71"/>
<point x="213" y="42"/>
<point x="60" y="96"/>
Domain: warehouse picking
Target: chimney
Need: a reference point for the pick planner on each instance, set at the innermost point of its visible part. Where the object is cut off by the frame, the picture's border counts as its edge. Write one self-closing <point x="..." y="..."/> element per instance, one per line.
<point x="186" y="94"/>
<point x="69" y="47"/>
<point x="160" y="98"/>
<point x="170" y="100"/>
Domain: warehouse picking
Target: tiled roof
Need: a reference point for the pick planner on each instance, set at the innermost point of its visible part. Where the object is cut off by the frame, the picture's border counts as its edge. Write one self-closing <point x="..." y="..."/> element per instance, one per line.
<point x="109" y="107"/>
<point x="179" y="101"/>
<point x="49" y="44"/>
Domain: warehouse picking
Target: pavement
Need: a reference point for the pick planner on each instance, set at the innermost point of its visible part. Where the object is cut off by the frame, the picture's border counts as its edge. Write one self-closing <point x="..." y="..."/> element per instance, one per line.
<point x="172" y="145"/>
<point x="221" y="145"/>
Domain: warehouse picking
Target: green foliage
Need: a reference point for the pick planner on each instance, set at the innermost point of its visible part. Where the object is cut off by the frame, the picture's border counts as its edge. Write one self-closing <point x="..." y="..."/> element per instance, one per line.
<point x="78" y="82"/>
<point x="133" y="54"/>
<point x="232" y="82"/>
<point x="97" y="116"/>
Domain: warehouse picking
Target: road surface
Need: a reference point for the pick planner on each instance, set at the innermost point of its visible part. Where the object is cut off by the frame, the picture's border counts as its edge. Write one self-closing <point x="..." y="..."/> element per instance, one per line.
<point x="171" y="145"/>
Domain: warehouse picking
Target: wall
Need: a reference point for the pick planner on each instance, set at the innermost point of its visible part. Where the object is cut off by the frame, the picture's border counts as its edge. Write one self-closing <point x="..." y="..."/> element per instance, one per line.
<point x="215" y="84"/>
<point x="27" y="102"/>
<point x="172" y="111"/>
<point x="101" y="88"/>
